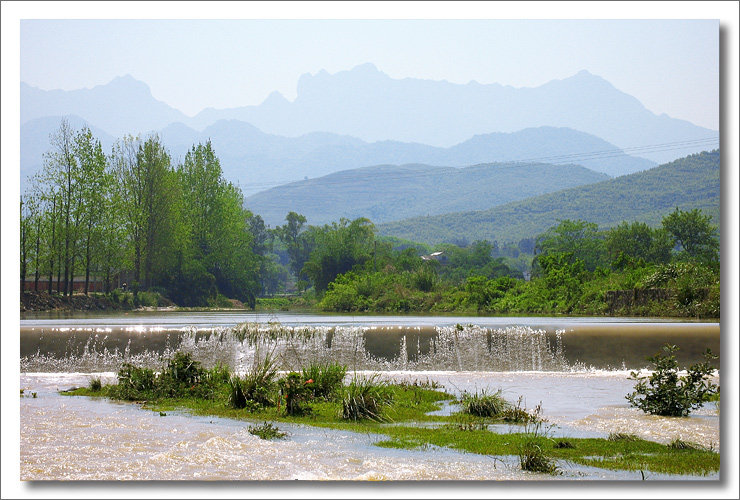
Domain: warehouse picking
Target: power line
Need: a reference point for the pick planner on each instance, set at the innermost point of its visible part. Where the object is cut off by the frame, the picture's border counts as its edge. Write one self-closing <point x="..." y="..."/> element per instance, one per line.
<point x="709" y="142"/>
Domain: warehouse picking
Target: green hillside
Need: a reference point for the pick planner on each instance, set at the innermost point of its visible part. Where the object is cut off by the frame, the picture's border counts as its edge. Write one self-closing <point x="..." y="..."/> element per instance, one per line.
<point x="389" y="193"/>
<point x="686" y="183"/>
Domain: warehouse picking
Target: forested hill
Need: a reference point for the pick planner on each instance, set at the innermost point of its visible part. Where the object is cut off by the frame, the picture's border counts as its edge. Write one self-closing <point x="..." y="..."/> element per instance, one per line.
<point x="387" y="192"/>
<point x="686" y="183"/>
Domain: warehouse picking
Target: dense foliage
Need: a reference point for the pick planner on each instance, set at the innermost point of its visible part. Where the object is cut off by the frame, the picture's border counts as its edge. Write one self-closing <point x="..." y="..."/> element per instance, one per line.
<point x="147" y="227"/>
<point x="133" y="217"/>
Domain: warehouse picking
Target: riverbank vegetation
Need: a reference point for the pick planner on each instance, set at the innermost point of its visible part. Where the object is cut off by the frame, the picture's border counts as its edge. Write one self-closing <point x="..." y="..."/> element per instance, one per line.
<point x="145" y="231"/>
<point x="405" y="413"/>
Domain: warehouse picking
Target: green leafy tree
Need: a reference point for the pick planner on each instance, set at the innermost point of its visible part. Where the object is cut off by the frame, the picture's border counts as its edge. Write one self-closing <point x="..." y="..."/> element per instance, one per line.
<point x="339" y="248"/>
<point x="95" y="182"/>
<point x="694" y="233"/>
<point x="58" y="178"/>
<point x="299" y="243"/>
<point x="638" y="241"/>
<point x="149" y="196"/>
<point x="25" y="226"/>
<point x="218" y="230"/>
<point x="579" y="239"/>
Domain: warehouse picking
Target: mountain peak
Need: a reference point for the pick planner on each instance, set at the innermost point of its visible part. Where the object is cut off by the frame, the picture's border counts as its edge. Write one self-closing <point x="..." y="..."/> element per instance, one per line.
<point x="275" y="97"/>
<point x="365" y="69"/>
<point x="126" y="83"/>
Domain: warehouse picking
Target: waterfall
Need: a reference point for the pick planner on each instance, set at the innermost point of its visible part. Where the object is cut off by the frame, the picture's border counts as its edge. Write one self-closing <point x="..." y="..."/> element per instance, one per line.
<point x="453" y="348"/>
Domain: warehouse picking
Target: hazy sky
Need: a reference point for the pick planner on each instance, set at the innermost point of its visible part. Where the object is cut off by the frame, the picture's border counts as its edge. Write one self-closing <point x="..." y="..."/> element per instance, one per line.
<point x="671" y="66"/>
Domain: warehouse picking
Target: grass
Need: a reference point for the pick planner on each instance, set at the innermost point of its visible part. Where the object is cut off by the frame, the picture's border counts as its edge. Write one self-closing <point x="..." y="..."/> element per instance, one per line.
<point x="366" y="398"/>
<point x="368" y="404"/>
<point x="483" y="404"/>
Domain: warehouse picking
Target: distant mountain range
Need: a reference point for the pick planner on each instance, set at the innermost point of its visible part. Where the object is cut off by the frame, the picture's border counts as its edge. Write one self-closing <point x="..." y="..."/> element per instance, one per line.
<point x="364" y="104"/>
<point x="388" y="192"/>
<point x="257" y="161"/>
<point x="687" y="183"/>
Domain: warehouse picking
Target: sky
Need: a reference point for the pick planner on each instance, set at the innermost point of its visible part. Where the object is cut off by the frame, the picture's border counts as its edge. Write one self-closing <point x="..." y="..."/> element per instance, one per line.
<point x="671" y="66"/>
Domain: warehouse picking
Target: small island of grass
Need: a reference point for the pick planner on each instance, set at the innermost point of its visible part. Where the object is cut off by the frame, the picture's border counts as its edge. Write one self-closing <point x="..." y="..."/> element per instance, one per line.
<point x="406" y="413"/>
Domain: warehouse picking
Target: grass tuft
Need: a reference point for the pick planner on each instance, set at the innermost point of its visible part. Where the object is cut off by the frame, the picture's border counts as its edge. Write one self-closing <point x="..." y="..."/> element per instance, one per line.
<point x="366" y="398"/>
<point x="622" y="436"/>
<point x="483" y="404"/>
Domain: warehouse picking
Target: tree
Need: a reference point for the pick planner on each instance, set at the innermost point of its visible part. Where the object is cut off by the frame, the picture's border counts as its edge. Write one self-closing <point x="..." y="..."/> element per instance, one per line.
<point x="694" y="234"/>
<point x="339" y="248"/>
<point x="579" y="239"/>
<point x="58" y="177"/>
<point x="25" y="230"/>
<point x="638" y="241"/>
<point x="218" y="228"/>
<point x="94" y="183"/>
<point x="298" y="243"/>
<point x="148" y="192"/>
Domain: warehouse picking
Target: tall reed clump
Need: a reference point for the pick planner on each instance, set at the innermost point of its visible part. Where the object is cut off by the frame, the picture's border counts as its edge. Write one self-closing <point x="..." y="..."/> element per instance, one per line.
<point x="257" y="385"/>
<point x="366" y="398"/>
<point x="483" y="404"/>
<point x="532" y="457"/>
<point x="325" y="378"/>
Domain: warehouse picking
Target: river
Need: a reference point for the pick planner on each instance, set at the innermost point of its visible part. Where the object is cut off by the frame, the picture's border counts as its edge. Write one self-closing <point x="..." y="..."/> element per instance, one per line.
<point x="576" y="368"/>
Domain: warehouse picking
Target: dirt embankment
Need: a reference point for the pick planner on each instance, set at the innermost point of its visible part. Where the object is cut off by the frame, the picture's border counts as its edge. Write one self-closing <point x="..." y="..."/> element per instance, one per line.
<point x="43" y="301"/>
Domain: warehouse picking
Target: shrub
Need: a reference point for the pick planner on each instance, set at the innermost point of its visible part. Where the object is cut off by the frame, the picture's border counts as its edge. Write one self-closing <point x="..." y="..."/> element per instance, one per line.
<point x="183" y="369"/>
<point x="132" y="381"/>
<point x="532" y="457"/>
<point x="237" y="395"/>
<point x="218" y="375"/>
<point x="517" y="414"/>
<point x="266" y="431"/>
<point x="366" y="398"/>
<point x="666" y="393"/>
<point x="294" y="390"/>
<point x="95" y="384"/>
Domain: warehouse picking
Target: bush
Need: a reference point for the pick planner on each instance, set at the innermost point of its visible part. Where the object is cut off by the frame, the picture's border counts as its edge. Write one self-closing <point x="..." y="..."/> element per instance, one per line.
<point x="95" y="384"/>
<point x="532" y="457"/>
<point x="237" y="395"/>
<point x="134" y="382"/>
<point x="294" y="390"/>
<point x="666" y="393"/>
<point x="266" y="431"/>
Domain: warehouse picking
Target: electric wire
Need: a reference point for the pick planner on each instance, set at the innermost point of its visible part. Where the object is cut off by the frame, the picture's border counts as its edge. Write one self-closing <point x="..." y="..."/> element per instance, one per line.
<point x="355" y="175"/>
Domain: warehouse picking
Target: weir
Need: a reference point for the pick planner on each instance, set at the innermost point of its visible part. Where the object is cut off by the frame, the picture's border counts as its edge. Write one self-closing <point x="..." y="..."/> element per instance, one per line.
<point x="458" y="347"/>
